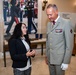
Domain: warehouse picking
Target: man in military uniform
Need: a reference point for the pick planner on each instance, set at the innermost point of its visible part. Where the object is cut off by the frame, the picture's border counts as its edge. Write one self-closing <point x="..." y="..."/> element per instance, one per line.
<point x="59" y="43"/>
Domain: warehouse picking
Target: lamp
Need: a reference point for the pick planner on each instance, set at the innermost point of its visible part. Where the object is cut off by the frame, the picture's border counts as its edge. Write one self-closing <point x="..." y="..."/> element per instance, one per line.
<point x="44" y="4"/>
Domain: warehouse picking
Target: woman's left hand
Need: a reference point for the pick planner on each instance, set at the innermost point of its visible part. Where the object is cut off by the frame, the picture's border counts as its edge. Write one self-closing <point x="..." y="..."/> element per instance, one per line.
<point x="33" y="52"/>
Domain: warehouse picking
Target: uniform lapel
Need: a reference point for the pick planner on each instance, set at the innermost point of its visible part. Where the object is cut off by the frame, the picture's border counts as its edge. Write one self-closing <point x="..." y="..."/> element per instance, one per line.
<point x="56" y="24"/>
<point x="49" y="27"/>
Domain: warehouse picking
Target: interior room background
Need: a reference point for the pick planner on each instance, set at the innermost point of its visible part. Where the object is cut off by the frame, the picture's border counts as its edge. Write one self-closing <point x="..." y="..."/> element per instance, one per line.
<point x="65" y="7"/>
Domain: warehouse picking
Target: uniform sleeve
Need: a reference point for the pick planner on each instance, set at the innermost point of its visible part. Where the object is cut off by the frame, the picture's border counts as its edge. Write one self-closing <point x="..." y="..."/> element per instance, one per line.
<point x="47" y="46"/>
<point x="69" y="42"/>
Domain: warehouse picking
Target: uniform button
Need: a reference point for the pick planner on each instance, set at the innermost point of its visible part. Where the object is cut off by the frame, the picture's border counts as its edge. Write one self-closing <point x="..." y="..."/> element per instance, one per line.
<point x="50" y="49"/>
<point x="51" y="32"/>
<point x="50" y="44"/>
<point x="50" y="38"/>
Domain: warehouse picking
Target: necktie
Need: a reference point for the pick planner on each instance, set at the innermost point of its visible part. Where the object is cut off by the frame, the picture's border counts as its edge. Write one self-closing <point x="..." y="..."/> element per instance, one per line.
<point x="53" y="22"/>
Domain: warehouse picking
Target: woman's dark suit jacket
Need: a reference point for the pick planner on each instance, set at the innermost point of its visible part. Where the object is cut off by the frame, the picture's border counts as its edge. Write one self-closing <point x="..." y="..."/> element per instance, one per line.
<point x="18" y="53"/>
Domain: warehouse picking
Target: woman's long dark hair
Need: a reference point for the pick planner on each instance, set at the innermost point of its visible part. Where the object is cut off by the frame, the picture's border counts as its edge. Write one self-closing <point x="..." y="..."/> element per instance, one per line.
<point x="17" y="33"/>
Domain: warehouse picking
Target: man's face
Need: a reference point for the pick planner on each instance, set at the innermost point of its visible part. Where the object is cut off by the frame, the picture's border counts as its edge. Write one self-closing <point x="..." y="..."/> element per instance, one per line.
<point x="52" y="14"/>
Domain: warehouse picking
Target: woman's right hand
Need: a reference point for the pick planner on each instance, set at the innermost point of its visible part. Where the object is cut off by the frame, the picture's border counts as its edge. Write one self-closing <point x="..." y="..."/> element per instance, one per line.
<point x="30" y="53"/>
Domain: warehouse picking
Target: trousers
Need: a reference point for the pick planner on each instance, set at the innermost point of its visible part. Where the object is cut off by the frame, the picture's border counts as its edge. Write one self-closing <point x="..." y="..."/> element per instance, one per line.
<point x="55" y="69"/>
<point x="25" y="72"/>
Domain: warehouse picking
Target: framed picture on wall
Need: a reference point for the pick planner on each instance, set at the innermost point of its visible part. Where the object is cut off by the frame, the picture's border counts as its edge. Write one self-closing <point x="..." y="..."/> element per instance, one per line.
<point x="15" y="11"/>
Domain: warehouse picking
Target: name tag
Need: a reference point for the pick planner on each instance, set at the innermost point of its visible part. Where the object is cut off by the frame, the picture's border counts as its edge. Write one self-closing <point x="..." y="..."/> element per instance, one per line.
<point x="58" y="30"/>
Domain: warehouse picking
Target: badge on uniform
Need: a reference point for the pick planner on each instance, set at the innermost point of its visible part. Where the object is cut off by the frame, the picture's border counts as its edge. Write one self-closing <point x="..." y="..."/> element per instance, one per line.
<point x="58" y="30"/>
<point x="71" y="30"/>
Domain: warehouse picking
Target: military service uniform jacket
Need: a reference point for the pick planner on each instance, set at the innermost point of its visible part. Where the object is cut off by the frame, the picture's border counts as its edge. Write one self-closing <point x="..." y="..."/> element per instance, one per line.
<point x="59" y="43"/>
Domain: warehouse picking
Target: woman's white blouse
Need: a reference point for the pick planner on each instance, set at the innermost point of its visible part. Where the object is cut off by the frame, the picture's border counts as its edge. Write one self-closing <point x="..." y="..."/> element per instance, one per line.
<point x="28" y="62"/>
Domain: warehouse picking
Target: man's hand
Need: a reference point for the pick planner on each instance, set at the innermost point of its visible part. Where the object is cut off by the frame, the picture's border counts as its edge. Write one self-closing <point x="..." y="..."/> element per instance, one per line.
<point x="46" y="61"/>
<point x="64" y="66"/>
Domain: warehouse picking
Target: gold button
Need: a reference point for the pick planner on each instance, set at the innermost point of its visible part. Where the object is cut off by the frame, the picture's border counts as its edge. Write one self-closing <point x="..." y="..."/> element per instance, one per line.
<point x="50" y="44"/>
<point x="51" y="32"/>
<point x="50" y="49"/>
<point x="50" y="38"/>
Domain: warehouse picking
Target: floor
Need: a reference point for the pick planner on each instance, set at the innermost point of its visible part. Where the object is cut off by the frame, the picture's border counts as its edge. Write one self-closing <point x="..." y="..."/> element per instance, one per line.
<point x="38" y="66"/>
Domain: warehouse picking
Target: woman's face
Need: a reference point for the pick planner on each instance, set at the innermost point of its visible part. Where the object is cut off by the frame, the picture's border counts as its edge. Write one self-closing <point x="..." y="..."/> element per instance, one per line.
<point x="24" y="30"/>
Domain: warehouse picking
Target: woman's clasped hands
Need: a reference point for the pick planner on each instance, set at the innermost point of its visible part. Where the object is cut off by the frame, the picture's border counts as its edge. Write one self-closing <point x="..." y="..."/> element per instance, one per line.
<point x="31" y="53"/>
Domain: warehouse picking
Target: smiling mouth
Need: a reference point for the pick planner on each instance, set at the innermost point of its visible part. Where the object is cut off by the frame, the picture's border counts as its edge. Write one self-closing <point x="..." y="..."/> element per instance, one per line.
<point x="51" y="19"/>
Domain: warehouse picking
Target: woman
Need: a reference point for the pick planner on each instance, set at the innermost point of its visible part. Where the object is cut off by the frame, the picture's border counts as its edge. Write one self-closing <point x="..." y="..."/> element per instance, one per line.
<point x="19" y="47"/>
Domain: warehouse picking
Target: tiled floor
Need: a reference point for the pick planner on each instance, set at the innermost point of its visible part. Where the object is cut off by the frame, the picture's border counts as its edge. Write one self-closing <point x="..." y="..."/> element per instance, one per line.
<point x="38" y="66"/>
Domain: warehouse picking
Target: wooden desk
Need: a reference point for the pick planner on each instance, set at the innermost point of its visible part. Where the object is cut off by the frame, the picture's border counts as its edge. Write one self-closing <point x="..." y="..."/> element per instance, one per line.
<point x="33" y="42"/>
<point x="39" y="42"/>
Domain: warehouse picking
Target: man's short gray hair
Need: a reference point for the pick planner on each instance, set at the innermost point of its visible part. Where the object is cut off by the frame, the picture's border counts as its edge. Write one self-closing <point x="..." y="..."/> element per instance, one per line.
<point x="53" y="6"/>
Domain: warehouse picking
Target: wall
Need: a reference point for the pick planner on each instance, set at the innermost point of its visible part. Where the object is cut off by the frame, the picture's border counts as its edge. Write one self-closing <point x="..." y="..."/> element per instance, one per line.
<point x="1" y="26"/>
